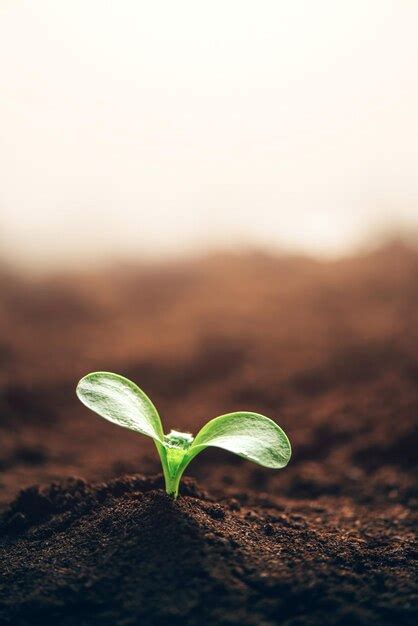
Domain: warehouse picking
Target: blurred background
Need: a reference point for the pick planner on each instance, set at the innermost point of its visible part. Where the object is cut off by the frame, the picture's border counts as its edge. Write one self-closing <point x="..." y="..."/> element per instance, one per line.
<point x="147" y="130"/>
<point x="219" y="201"/>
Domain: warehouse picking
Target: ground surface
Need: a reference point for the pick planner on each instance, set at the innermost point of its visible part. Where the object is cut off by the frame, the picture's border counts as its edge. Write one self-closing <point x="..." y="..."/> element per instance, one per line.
<point x="329" y="350"/>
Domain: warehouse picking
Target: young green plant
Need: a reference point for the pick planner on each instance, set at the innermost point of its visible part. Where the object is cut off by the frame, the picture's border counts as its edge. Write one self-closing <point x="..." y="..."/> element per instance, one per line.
<point x="250" y="435"/>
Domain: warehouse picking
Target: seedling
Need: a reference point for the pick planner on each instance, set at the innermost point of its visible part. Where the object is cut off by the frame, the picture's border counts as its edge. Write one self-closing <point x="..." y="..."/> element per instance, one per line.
<point x="250" y="435"/>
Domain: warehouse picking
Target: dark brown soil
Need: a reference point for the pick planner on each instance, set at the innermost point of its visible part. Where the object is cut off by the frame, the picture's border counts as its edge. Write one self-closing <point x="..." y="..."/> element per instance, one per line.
<point x="329" y="350"/>
<point x="125" y="553"/>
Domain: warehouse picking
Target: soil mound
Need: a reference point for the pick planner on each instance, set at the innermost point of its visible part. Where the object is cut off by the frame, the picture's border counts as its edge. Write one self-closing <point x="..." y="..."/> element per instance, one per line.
<point x="123" y="553"/>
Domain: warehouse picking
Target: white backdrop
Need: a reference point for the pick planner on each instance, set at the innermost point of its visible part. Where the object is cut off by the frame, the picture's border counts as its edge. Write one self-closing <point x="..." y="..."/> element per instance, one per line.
<point x="159" y="128"/>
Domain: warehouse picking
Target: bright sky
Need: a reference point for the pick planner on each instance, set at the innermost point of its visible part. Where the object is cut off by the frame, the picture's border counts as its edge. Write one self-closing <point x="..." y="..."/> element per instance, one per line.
<point x="164" y="127"/>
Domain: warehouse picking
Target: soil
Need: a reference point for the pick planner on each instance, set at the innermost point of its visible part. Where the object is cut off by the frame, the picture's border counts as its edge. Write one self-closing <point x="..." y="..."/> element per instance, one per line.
<point x="328" y="349"/>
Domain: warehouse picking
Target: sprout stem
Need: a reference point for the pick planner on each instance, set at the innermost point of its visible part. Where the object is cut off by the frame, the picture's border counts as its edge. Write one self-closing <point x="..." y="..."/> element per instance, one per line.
<point x="172" y="484"/>
<point x="171" y="478"/>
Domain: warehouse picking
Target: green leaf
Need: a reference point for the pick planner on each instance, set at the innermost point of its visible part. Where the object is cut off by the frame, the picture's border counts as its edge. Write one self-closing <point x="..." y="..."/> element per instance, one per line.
<point x="120" y="401"/>
<point x="251" y="435"/>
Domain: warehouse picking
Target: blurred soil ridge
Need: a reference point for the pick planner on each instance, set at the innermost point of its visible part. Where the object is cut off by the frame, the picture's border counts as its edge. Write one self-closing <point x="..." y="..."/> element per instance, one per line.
<point x="328" y="349"/>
